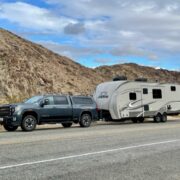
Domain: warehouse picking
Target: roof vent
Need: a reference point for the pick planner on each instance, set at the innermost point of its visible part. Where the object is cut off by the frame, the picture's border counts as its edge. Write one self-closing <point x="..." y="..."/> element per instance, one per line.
<point x="141" y="79"/>
<point x="120" y="78"/>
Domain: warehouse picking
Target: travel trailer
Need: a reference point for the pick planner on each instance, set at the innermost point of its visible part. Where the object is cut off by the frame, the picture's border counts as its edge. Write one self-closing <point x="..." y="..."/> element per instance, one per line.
<point x="122" y="99"/>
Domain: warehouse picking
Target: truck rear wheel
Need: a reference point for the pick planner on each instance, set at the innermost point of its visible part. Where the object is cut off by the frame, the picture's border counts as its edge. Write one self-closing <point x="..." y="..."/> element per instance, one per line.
<point x="66" y="125"/>
<point x="28" y="123"/>
<point x="9" y="127"/>
<point x="158" y="118"/>
<point x="85" y="120"/>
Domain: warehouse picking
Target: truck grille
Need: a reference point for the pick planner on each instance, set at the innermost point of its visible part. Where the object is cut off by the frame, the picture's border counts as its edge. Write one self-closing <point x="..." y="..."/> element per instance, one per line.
<point x="5" y="111"/>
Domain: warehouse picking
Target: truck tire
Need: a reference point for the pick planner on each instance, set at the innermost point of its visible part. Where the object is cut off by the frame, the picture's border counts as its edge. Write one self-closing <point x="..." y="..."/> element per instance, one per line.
<point x="85" y="120"/>
<point x="164" y="118"/>
<point x="158" y="118"/>
<point x="66" y="125"/>
<point x="10" y="128"/>
<point x="28" y="123"/>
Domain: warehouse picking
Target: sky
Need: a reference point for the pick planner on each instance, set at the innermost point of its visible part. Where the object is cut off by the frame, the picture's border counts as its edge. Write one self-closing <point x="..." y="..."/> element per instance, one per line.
<point x="100" y="32"/>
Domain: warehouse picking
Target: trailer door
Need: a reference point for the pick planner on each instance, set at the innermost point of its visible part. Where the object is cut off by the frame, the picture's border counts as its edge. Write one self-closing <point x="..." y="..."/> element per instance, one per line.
<point x="135" y="104"/>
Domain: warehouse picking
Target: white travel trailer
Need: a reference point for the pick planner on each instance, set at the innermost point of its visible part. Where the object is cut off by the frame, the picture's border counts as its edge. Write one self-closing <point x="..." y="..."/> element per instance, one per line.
<point x="136" y="100"/>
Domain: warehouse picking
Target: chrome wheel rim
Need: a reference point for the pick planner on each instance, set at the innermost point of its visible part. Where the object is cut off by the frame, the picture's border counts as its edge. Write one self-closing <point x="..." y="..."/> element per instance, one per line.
<point x="86" y="120"/>
<point x="29" y="123"/>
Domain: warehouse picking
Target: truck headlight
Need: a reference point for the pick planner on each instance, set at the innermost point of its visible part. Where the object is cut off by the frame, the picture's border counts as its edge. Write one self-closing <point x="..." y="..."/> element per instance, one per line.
<point x="13" y="109"/>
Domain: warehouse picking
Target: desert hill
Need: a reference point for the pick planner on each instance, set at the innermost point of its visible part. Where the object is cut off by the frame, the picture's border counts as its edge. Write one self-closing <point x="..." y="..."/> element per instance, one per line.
<point x="134" y="71"/>
<point x="27" y="69"/>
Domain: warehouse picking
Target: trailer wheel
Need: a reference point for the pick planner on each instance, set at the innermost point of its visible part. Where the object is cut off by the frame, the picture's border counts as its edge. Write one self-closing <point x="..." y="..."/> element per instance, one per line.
<point x="135" y="120"/>
<point x="158" y="118"/>
<point x="10" y="128"/>
<point x="164" y="118"/>
<point x="85" y="120"/>
<point x="141" y="119"/>
<point x="66" y="125"/>
<point x="28" y="123"/>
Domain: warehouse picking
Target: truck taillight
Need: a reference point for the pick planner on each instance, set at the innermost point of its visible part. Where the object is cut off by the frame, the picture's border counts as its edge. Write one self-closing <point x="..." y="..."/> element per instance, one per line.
<point x="97" y="109"/>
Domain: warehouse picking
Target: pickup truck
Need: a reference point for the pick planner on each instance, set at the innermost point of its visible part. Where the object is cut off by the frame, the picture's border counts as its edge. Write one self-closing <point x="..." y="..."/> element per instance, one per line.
<point x="50" y="109"/>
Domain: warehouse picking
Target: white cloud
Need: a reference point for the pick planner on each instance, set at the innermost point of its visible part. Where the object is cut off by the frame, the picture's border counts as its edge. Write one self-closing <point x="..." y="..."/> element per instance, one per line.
<point x="32" y="17"/>
<point x="70" y="50"/>
<point x="153" y="25"/>
<point x="141" y="28"/>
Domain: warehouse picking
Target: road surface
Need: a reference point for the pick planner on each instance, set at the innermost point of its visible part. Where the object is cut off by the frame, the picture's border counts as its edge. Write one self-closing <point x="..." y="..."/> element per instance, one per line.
<point x="104" y="151"/>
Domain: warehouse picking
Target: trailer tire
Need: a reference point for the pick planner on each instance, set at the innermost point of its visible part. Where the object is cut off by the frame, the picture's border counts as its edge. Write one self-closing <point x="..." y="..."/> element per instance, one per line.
<point x="158" y="118"/>
<point x="134" y="120"/>
<point x="85" y="120"/>
<point x="164" y="118"/>
<point x="28" y="123"/>
<point x="9" y="127"/>
<point x="66" y="125"/>
<point x="141" y="119"/>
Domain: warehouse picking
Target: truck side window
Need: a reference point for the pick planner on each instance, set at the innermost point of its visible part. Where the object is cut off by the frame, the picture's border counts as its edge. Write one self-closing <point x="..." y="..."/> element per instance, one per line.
<point x="173" y="88"/>
<point x="50" y="100"/>
<point x="82" y="100"/>
<point x="132" y="96"/>
<point x="157" y="94"/>
<point x="60" y="100"/>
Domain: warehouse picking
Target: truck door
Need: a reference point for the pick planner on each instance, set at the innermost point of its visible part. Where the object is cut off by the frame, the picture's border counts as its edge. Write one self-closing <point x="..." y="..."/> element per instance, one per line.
<point x="47" y="111"/>
<point x="63" y="108"/>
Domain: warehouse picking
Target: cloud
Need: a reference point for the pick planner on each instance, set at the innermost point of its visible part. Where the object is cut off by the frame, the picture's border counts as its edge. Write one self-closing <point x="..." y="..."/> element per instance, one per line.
<point x="130" y="50"/>
<point x="70" y="50"/>
<point x="153" y="25"/>
<point x="33" y="17"/>
<point x="148" y="29"/>
<point x="74" y="28"/>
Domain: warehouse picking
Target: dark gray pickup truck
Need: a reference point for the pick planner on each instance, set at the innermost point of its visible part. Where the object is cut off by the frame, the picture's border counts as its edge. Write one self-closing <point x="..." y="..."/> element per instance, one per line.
<point x="48" y="109"/>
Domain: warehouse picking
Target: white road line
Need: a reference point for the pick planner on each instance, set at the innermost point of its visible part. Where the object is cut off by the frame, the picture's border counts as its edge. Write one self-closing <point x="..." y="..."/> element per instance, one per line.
<point x="88" y="154"/>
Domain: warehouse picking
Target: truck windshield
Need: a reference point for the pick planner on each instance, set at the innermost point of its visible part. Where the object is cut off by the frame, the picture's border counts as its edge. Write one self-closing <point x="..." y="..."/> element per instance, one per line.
<point x="33" y="100"/>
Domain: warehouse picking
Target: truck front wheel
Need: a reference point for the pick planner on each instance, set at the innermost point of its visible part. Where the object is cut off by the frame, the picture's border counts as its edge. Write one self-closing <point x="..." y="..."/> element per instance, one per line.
<point x="28" y="123"/>
<point x="85" y="120"/>
<point x="9" y="127"/>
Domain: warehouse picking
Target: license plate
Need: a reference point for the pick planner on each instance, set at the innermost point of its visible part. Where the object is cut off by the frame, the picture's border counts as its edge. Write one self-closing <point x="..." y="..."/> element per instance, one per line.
<point x="1" y="119"/>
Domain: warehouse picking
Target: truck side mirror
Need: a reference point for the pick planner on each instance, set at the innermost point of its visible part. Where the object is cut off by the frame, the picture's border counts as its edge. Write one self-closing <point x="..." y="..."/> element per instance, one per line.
<point x="44" y="102"/>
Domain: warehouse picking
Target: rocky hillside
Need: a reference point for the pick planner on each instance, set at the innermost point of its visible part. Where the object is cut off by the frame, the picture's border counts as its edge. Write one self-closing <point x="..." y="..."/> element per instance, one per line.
<point x="134" y="71"/>
<point x="27" y="69"/>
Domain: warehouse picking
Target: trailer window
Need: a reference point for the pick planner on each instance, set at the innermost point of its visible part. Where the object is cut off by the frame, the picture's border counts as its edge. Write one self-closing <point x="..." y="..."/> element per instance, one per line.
<point x="157" y="94"/>
<point x="132" y="96"/>
<point x="173" y="88"/>
<point x="145" y="91"/>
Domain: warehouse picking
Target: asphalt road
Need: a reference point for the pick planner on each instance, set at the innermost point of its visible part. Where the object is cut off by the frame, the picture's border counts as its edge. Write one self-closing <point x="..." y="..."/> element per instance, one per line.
<point x="147" y="151"/>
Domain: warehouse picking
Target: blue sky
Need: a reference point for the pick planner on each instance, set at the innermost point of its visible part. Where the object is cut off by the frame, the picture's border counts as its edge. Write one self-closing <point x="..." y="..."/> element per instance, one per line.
<point x="100" y="32"/>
